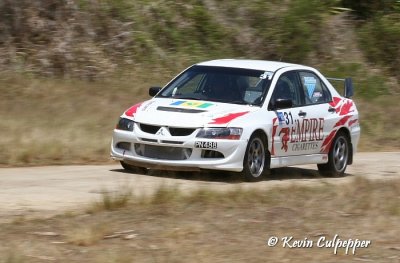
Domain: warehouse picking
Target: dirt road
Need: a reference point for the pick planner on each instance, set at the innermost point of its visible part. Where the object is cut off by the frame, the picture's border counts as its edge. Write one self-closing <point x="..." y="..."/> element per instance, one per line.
<point x="50" y="190"/>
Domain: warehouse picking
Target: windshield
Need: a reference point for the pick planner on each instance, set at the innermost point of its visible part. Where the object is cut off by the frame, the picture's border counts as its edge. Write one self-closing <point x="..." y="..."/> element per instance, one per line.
<point x="220" y="84"/>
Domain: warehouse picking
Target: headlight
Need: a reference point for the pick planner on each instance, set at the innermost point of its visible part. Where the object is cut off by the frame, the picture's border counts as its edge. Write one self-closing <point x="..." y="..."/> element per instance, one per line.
<point x="220" y="133"/>
<point x="125" y="124"/>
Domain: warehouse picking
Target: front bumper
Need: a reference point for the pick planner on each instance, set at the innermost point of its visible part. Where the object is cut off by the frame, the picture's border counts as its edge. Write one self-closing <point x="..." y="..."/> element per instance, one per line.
<point x="177" y="152"/>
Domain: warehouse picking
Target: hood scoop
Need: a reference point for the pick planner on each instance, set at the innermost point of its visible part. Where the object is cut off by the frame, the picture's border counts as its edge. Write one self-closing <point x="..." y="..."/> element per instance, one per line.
<point x="162" y="108"/>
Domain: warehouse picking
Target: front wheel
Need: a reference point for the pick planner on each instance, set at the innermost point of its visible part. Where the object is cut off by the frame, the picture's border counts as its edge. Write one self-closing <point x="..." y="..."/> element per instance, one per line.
<point x="256" y="160"/>
<point x="338" y="157"/>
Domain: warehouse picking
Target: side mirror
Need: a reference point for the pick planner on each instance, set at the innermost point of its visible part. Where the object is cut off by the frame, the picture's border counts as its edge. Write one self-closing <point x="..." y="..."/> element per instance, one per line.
<point x="154" y="90"/>
<point x="280" y="104"/>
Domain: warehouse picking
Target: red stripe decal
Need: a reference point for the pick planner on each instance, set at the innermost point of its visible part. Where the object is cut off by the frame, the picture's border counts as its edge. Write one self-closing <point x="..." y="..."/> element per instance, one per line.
<point x="346" y="108"/>
<point x="274" y="127"/>
<point x="352" y="122"/>
<point x="329" y="138"/>
<point x="335" y="101"/>
<point x="227" y="118"/>
<point x="132" y="110"/>
<point x="342" y="121"/>
<point x="327" y="142"/>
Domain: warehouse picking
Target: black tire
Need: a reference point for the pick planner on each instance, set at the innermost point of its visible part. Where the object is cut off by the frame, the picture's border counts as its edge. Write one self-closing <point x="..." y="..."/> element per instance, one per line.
<point x="133" y="169"/>
<point x="257" y="159"/>
<point x="338" y="157"/>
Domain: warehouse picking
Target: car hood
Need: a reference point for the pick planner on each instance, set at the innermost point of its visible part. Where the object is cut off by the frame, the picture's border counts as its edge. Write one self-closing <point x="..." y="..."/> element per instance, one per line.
<point x="187" y="113"/>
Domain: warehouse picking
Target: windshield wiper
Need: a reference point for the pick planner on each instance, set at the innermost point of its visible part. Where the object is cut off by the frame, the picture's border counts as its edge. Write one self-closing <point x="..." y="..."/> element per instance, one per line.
<point x="241" y="102"/>
<point x="186" y="98"/>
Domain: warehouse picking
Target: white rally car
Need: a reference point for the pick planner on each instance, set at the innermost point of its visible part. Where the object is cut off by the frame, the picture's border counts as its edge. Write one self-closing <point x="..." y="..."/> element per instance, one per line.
<point x="240" y="115"/>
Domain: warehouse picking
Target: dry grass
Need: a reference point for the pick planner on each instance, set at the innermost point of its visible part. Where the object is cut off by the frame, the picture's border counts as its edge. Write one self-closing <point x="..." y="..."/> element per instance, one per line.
<point x="13" y="257"/>
<point x="112" y="200"/>
<point x="53" y="121"/>
<point x="207" y="226"/>
<point x="86" y="235"/>
<point x="380" y="124"/>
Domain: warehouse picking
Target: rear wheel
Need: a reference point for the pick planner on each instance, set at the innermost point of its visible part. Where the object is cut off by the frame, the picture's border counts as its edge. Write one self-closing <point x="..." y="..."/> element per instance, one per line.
<point x="256" y="160"/>
<point x="338" y="157"/>
<point x="132" y="168"/>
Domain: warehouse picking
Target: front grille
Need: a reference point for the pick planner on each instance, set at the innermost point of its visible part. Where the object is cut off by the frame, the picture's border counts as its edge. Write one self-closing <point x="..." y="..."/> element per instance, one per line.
<point x="174" y="131"/>
<point x="162" y="152"/>
<point x="181" y="131"/>
<point x="149" y="128"/>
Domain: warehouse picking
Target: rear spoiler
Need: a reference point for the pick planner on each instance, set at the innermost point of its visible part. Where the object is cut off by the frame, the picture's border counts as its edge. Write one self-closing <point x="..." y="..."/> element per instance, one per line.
<point x="348" y="86"/>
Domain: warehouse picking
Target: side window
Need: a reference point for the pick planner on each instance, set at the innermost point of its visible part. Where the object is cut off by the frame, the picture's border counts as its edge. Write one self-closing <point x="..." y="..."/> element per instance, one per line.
<point x="315" y="91"/>
<point x="287" y="87"/>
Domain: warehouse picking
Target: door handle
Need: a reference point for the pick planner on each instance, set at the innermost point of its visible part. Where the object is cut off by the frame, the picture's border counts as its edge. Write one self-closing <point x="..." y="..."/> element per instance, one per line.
<point x="332" y="110"/>
<point x="302" y="113"/>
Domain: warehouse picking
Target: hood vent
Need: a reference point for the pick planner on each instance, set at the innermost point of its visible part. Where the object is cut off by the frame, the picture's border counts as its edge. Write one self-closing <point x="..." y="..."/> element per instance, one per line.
<point x="162" y="108"/>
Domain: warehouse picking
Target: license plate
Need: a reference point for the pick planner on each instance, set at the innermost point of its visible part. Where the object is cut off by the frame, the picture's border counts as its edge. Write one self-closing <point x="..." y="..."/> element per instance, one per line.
<point x="206" y="145"/>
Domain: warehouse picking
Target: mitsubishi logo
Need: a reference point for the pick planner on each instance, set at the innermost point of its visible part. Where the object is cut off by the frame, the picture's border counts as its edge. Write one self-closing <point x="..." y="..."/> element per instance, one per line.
<point x="163" y="132"/>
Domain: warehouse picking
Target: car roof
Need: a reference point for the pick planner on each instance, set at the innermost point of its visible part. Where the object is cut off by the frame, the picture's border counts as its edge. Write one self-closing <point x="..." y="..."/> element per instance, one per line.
<point x="263" y="65"/>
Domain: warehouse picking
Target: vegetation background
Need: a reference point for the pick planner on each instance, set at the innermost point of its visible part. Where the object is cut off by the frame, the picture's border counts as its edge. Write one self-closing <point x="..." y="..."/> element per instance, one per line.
<point x="69" y="68"/>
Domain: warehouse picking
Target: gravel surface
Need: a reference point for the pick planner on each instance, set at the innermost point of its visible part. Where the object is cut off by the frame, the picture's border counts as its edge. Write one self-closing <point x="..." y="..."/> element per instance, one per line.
<point x="46" y="191"/>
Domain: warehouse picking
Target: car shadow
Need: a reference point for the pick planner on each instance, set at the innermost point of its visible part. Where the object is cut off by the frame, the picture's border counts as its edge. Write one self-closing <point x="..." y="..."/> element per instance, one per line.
<point x="207" y="175"/>
<point x="286" y="173"/>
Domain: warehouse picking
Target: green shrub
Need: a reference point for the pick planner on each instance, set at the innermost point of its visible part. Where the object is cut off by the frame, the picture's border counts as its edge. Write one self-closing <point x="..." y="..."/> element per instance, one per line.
<point x="380" y="41"/>
<point x="369" y="8"/>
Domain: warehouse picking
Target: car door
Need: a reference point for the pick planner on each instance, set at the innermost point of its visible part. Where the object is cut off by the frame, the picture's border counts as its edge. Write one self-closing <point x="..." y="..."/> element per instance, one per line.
<point x="286" y="120"/>
<point x="318" y="116"/>
<point x="301" y="129"/>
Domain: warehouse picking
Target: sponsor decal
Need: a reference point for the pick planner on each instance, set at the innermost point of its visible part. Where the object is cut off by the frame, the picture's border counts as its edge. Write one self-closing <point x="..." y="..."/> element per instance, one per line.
<point x="132" y="110"/>
<point x="303" y="134"/>
<point x="307" y="134"/>
<point x="304" y="146"/>
<point x="310" y="83"/>
<point x="266" y="75"/>
<point x="281" y="118"/>
<point x="317" y="94"/>
<point x="227" y="118"/>
<point x="285" y="138"/>
<point x="192" y="104"/>
<point x="307" y="130"/>
<point x="206" y="145"/>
